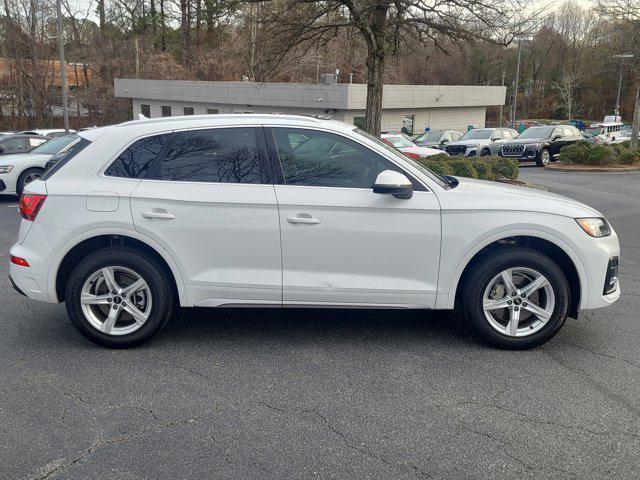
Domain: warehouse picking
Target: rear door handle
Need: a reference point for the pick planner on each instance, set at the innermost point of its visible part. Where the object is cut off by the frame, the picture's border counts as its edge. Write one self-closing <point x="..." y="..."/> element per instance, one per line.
<point x="159" y="213"/>
<point x="304" y="218"/>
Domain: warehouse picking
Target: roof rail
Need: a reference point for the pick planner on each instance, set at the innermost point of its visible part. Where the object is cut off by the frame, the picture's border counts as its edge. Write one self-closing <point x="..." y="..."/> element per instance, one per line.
<point x="185" y="118"/>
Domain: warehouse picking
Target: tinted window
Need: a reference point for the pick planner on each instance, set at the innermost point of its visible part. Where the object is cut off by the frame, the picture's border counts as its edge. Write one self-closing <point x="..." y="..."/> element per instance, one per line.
<point x="135" y="161"/>
<point x="187" y="110"/>
<point x="145" y="110"/>
<point x="322" y="159"/>
<point x="222" y="155"/>
<point x="166" y="110"/>
<point x="13" y="144"/>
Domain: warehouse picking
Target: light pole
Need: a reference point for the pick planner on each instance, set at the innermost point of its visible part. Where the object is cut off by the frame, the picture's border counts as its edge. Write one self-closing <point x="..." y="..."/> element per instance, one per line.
<point x="515" y="89"/>
<point x="63" y="68"/>
<point x="616" y="110"/>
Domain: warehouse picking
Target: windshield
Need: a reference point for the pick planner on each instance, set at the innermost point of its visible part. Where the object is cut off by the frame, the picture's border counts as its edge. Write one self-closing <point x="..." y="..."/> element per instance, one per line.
<point x="399" y="142"/>
<point x="537" y="132"/>
<point x="54" y="145"/>
<point x="592" y="131"/>
<point x="430" y="137"/>
<point x="398" y="155"/>
<point x="479" y="134"/>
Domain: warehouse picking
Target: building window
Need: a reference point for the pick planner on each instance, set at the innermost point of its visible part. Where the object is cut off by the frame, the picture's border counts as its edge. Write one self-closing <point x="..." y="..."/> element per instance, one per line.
<point x="212" y="111"/>
<point x="145" y="110"/>
<point x="187" y="111"/>
<point x="359" y="122"/>
<point x="240" y="112"/>
<point x="407" y="124"/>
<point x="166" y="110"/>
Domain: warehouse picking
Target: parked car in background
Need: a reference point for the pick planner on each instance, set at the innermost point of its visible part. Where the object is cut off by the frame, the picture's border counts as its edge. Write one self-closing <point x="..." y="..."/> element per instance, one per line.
<point x="11" y="144"/>
<point x="609" y="129"/>
<point x="48" y="132"/>
<point x="437" y="138"/>
<point x="402" y="134"/>
<point x="481" y="142"/>
<point x="17" y="171"/>
<point x="540" y="144"/>
<point x="408" y="147"/>
<point x="284" y="211"/>
<point x="592" y="135"/>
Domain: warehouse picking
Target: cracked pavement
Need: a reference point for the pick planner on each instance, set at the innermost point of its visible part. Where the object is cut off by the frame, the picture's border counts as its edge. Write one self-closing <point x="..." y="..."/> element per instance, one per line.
<point x="237" y="394"/>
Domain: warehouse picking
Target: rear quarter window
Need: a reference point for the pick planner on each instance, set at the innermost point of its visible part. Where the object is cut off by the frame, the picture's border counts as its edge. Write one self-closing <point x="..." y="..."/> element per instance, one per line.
<point x="136" y="160"/>
<point x="66" y="157"/>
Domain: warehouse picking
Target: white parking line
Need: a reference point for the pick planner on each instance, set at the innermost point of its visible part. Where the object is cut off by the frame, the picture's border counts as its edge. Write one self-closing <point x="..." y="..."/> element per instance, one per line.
<point x="13" y="206"/>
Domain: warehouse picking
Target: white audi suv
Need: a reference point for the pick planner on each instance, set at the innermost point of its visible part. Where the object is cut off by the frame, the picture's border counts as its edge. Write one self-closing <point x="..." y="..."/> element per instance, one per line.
<point x="258" y="210"/>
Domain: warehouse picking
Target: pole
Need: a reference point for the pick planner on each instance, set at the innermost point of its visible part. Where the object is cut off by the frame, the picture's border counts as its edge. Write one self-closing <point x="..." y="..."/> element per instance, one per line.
<point x="500" y="119"/>
<point x="135" y="44"/>
<point x="63" y="68"/>
<point x="616" y="110"/>
<point x="633" y="144"/>
<point x="515" y="89"/>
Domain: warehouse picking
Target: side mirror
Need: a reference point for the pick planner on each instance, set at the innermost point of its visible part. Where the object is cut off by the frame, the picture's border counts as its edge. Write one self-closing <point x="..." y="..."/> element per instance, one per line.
<point x="445" y="140"/>
<point x="393" y="183"/>
<point x="556" y="137"/>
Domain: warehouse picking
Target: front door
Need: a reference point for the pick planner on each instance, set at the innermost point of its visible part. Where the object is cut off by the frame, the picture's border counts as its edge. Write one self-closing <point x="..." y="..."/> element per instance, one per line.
<point x="341" y="243"/>
<point x="211" y="204"/>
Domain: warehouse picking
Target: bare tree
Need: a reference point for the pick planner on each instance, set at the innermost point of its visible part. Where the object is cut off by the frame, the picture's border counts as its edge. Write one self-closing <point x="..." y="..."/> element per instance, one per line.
<point x="566" y="88"/>
<point x="385" y="26"/>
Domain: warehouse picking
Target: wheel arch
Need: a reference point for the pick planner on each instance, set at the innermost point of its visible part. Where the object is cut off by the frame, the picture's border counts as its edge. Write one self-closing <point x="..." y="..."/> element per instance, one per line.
<point x="91" y="241"/>
<point x="555" y="249"/>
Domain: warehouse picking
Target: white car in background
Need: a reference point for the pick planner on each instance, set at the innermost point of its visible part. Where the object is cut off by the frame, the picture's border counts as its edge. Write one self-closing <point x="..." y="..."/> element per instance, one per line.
<point x="49" y="132"/>
<point x="481" y="142"/>
<point x="408" y="147"/>
<point x="286" y="211"/>
<point x="20" y="169"/>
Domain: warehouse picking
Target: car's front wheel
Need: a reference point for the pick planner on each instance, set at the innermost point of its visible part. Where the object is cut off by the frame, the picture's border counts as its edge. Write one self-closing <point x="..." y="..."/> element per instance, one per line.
<point x="26" y="177"/>
<point x="544" y="157"/>
<point x="516" y="298"/>
<point x="119" y="297"/>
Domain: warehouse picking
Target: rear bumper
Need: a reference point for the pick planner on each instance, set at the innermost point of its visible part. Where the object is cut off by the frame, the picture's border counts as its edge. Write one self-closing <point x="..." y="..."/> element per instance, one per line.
<point x="28" y="284"/>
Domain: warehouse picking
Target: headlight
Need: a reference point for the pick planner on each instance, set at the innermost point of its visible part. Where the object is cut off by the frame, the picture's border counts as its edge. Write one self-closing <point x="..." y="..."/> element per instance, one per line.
<point x="5" y="168"/>
<point x="595" y="226"/>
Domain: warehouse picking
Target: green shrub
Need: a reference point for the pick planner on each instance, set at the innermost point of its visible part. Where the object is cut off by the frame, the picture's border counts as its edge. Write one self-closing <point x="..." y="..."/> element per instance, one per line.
<point x="628" y="157"/>
<point x="485" y="168"/>
<point x="587" y="154"/>
<point x="602" y="155"/>
<point x="576" y="152"/>
<point x="463" y="168"/>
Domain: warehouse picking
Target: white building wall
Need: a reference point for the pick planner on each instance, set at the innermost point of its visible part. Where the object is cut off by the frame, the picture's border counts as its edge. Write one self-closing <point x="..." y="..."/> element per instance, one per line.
<point x="453" y="118"/>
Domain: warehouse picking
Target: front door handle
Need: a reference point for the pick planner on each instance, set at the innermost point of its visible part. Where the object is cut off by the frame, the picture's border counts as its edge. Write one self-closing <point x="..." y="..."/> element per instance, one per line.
<point x="304" y="218"/>
<point x="159" y="213"/>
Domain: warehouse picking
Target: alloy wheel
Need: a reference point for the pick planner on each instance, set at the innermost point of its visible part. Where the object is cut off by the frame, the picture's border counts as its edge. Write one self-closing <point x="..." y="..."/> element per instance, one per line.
<point x="116" y="300"/>
<point x="545" y="156"/>
<point x="32" y="177"/>
<point x="518" y="302"/>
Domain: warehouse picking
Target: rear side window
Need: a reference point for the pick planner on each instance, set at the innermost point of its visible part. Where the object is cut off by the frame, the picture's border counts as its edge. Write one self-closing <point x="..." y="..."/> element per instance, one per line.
<point x="136" y="160"/>
<point x="220" y="155"/>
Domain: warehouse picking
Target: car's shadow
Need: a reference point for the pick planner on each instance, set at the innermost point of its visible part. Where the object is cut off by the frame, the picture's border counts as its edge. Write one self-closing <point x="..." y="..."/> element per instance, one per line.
<point x="9" y="200"/>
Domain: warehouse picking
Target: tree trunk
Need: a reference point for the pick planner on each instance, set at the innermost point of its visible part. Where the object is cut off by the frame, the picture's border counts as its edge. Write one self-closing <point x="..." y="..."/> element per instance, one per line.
<point x="103" y="21"/>
<point x="163" y="37"/>
<point x="633" y="144"/>
<point x="184" y="29"/>
<point x="375" y="82"/>
<point x="154" y="23"/>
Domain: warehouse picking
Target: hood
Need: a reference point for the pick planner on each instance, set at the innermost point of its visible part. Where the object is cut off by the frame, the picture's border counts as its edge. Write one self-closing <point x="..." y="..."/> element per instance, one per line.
<point x="480" y="141"/>
<point x="526" y="141"/>
<point x="22" y="158"/>
<point x="422" y="151"/>
<point x="427" y="143"/>
<point x="486" y="195"/>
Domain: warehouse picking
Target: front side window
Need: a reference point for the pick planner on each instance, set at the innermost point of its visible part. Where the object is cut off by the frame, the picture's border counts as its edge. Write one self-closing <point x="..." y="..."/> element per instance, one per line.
<point x="34" y="142"/>
<point x="322" y="159"/>
<point x="136" y="160"/>
<point x="477" y="134"/>
<point x="12" y="144"/>
<point x="220" y="155"/>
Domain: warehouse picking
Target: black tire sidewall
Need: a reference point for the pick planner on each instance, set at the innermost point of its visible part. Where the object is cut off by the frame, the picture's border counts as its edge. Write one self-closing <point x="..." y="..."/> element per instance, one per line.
<point x="20" y="183"/>
<point x="539" y="161"/>
<point x="161" y="293"/>
<point x="485" y="270"/>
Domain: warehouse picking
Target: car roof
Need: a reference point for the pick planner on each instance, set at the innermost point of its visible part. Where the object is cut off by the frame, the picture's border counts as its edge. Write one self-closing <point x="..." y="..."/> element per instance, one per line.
<point x="22" y="135"/>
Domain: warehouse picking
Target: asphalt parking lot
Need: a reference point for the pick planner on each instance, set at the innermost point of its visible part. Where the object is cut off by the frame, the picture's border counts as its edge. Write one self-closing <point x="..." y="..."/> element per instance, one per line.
<point x="340" y="394"/>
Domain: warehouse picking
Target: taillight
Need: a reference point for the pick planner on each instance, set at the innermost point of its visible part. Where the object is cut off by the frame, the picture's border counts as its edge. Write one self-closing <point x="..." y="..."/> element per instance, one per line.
<point x="18" y="261"/>
<point x="412" y="155"/>
<point x="30" y="205"/>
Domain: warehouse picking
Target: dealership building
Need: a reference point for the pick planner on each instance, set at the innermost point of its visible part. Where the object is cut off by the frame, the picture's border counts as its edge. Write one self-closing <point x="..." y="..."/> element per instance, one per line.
<point x="411" y="108"/>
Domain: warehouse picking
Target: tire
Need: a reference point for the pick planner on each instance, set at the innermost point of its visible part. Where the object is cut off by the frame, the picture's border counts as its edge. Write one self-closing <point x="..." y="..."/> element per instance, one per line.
<point x="485" y="153"/>
<point x="153" y="301"/>
<point x="494" y="325"/>
<point x="27" y="177"/>
<point x="543" y="158"/>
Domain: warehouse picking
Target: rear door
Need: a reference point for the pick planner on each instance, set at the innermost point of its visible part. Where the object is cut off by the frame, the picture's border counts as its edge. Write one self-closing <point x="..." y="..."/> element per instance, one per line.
<point x="342" y="244"/>
<point x="210" y="203"/>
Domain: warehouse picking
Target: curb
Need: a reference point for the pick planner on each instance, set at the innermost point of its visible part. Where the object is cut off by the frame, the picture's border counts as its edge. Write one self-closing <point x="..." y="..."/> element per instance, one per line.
<point x="592" y="170"/>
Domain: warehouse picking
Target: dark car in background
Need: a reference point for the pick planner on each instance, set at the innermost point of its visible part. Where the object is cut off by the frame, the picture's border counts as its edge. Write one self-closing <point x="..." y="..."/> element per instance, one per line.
<point x="540" y="144"/>
<point x="437" y="138"/>
<point x="10" y="144"/>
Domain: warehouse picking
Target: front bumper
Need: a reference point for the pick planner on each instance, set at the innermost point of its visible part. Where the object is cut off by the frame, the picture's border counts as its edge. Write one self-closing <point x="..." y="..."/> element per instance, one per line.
<point x="528" y="154"/>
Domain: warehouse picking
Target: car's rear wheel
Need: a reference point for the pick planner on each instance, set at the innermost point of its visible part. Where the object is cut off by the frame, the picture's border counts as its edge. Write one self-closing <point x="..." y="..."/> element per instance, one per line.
<point x="119" y="297"/>
<point x="26" y="177"/>
<point x="544" y="157"/>
<point x="516" y="298"/>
